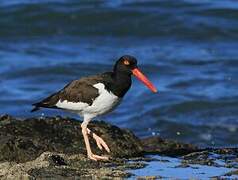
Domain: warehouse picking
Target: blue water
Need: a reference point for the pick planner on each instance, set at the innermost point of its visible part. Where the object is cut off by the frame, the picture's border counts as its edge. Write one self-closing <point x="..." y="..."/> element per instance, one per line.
<point x="170" y="168"/>
<point x="188" y="48"/>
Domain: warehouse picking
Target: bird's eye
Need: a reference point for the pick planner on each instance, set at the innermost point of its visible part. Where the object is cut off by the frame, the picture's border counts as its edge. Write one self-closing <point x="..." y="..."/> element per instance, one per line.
<point x="126" y="62"/>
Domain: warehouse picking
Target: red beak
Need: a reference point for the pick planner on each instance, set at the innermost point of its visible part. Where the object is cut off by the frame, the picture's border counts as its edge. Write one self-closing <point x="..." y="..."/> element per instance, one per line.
<point x="144" y="79"/>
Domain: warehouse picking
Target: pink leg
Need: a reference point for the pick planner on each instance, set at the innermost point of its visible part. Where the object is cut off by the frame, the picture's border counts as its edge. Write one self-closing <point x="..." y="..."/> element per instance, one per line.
<point x="100" y="142"/>
<point x="86" y="140"/>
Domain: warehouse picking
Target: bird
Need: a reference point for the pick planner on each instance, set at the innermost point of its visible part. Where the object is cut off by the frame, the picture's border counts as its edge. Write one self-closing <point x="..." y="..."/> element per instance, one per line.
<point x="96" y="95"/>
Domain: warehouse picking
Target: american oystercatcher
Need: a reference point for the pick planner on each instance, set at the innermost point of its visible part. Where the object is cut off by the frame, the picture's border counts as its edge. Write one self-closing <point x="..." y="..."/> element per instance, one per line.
<point x="96" y="95"/>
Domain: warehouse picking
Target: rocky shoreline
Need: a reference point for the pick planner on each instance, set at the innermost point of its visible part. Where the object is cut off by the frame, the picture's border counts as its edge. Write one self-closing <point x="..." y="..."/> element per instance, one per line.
<point x="53" y="147"/>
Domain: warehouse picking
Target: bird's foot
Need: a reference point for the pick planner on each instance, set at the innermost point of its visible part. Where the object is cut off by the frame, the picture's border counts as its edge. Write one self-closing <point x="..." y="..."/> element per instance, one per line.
<point x="97" y="157"/>
<point x="101" y="143"/>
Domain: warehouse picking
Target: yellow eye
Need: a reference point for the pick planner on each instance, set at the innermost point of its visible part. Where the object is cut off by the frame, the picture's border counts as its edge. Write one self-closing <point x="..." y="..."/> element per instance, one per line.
<point x="126" y="62"/>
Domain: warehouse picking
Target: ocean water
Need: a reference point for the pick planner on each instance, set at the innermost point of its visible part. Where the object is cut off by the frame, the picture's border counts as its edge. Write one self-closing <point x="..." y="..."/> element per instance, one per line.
<point x="187" y="48"/>
<point x="170" y="168"/>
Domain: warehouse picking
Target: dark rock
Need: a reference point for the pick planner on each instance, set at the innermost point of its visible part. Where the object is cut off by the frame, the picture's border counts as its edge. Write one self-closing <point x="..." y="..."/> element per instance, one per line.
<point x="53" y="148"/>
<point x="5" y="119"/>
<point x="78" y="167"/>
<point x="156" y="145"/>
<point x="24" y="140"/>
<point x="57" y="160"/>
<point x="209" y="157"/>
<point x="202" y="158"/>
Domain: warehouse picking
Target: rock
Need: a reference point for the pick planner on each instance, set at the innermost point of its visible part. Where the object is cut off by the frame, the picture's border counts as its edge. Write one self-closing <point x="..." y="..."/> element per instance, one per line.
<point x="53" y="148"/>
<point x="210" y="156"/>
<point x="13" y="170"/>
<point x="156" y="145"/>
<point x="77" y="167"/>
<point x="25" y="140"/>
<point x="202" y="158"/>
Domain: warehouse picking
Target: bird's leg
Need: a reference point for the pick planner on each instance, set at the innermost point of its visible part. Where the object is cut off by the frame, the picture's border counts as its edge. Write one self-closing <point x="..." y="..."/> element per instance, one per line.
<point x="86" y="140"/>
<point x="100" y="142"/>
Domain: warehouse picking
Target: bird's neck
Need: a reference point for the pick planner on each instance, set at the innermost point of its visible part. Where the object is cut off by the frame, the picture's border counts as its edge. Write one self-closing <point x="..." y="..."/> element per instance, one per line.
<point x="121" y="83"/>
<point x="122" y="78"/>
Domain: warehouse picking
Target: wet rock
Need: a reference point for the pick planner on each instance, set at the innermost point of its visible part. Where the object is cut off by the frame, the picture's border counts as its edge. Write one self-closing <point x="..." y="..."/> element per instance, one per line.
<point x="228" y="157"/>
<point x="157" y="145"/>
<point x="78" y="167"/>
<point x="53" y="148"/>
<point x="57" y="160"/>
<point x="5" y="119"/>
<point x="25" y="140"/>
<point x="148" y="177"/>
<point x="202" y="158"/>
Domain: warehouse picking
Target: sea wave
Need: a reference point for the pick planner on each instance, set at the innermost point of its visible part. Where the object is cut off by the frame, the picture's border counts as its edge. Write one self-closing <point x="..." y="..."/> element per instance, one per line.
<point x="192" y="20"/>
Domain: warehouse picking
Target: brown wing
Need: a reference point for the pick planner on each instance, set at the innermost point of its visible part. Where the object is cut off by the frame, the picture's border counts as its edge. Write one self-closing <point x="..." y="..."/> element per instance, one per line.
<point x="81" y="90"/>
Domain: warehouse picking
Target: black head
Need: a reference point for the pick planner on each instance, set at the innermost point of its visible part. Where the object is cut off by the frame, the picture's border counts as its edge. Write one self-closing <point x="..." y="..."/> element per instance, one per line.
<point x="125" y="64"/>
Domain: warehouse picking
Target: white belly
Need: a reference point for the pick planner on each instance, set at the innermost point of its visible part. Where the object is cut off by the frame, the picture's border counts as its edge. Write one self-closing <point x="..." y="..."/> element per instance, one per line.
<point x="105" y="102"/>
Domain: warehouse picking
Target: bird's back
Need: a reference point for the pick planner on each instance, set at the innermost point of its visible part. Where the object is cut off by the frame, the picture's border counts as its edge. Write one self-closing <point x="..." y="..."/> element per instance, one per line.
<point x="77" y="91"/>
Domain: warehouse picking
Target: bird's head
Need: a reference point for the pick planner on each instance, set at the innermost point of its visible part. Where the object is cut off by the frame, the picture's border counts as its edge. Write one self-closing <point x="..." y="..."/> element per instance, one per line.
<point x="128" y="65"/>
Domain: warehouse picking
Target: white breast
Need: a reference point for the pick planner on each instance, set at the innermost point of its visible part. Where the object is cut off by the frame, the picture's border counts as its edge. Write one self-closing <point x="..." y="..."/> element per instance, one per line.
<point x="105" y="102"/>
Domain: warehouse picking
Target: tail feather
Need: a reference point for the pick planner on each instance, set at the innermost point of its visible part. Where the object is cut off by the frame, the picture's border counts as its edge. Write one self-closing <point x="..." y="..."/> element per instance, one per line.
<point x="36" y="108"/>
<point x="48" y="102"/>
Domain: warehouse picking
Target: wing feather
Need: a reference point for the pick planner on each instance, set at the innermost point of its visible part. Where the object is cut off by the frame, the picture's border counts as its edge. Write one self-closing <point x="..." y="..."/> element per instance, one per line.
<point x="81" y="90"/>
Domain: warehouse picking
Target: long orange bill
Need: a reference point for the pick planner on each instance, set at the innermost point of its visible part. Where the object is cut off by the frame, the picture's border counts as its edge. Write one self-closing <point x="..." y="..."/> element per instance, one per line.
<point x="144" y="79"/>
